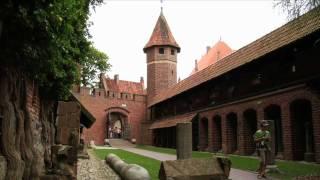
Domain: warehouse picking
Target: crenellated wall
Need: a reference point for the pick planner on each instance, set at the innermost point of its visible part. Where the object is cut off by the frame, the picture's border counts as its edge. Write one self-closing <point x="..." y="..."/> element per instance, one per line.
<point x="100" y="103"/>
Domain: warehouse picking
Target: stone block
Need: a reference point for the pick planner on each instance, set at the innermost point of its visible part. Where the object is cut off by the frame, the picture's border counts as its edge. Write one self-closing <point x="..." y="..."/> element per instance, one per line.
<point x="195" y="169"/>
<point x="184" y="140"/>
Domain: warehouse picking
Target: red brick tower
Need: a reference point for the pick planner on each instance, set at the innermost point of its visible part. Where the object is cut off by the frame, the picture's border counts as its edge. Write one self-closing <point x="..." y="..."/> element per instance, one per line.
<point x="161" y="53"/>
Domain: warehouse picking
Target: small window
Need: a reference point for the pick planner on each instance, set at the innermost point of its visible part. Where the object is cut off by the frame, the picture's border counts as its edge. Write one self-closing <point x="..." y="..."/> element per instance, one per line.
<point x="161" y="50"/>
<point x="172" y="72"/>
<point x="172" y="51"/>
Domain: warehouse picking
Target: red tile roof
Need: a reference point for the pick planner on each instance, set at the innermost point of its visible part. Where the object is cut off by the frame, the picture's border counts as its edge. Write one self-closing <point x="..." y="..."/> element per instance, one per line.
<point x="124" y="86"/>
<point x="172" y="121"/>
<point x="290" y="32"/>
<point x="216" y="53"/>
<point x="161" y="35"/>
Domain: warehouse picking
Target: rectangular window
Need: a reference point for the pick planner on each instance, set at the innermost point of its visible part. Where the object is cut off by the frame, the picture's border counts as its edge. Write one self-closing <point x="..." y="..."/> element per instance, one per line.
<point x="172" y="51"/>
<point x="161" y="50"/>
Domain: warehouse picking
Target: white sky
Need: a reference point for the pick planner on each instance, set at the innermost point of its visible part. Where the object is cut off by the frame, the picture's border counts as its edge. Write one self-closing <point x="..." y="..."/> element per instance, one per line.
<point x="122" y="28"/>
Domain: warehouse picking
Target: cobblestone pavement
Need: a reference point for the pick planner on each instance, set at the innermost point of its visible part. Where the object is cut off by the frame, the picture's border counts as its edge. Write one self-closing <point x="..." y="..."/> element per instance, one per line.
<point x="95" y="169"/>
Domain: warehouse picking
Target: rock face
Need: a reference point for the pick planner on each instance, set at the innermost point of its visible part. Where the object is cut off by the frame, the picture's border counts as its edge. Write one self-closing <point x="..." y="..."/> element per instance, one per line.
<point x="195" y="169"/>
<point x="127" y="171"/>
<point x="27" y="130"/>
<point x="27" y="127"/>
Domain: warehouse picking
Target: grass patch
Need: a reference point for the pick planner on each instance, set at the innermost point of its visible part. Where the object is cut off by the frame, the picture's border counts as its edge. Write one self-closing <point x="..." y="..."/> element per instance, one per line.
<point x="289" y="169"/>
<point x="150" y="164"/>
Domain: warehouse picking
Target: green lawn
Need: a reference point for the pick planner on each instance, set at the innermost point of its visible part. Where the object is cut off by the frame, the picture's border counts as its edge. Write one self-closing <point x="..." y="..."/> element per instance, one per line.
<point x="289" y="169"/>
<point x="150" y="164"/>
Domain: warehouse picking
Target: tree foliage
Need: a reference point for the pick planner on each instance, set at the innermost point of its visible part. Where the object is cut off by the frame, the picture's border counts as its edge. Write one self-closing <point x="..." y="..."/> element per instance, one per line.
<point x="295" y="8"/>
<point x="48" y="39"/>
<point x="95" y="62"/>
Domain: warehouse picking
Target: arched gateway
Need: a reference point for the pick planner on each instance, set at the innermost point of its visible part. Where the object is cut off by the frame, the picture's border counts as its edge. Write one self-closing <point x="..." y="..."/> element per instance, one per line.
<point x="117" y="123"/>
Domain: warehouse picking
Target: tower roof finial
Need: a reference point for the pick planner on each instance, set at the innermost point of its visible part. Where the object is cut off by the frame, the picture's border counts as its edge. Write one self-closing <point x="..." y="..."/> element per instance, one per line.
<point x="161" y="1"/>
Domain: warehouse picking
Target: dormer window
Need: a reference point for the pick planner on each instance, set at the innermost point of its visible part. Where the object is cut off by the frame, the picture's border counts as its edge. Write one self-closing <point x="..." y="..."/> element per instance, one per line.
<point x="161" y="50"/>
<point x="172" y="51"/>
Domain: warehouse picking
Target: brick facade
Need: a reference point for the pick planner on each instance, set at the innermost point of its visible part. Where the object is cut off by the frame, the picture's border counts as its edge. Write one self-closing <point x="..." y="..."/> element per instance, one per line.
<point x="161" y="69"/>
<point x="133" y="107"/>
<point x="257" y="104"/>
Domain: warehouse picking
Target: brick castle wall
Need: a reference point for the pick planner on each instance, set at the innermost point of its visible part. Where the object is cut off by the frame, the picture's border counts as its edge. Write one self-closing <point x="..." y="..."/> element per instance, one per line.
<point x="135" y="110"/>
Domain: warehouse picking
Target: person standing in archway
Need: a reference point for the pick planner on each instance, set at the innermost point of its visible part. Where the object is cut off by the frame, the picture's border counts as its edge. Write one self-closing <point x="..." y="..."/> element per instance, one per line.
<point x="262" y="139"/>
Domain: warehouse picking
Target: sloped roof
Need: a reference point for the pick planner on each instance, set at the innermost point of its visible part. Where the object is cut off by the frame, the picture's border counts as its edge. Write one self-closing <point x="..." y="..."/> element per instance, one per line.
<point x="161" y="35"/>
<point x="124" y="86"/>
<point x="86" y="118"/>
<point x="216" y="53"/>
<point x="290" y="32"/>
<point x="173" y="121"/>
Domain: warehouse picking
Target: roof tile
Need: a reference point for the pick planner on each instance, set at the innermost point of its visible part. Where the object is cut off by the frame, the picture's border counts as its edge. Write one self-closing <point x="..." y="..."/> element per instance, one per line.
<point x="161" y="35"/>
<point x="124" y="86"/>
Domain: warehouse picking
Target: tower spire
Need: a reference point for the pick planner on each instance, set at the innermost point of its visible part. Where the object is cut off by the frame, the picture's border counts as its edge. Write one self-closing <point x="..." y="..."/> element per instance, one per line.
<point x="161" y="2"/>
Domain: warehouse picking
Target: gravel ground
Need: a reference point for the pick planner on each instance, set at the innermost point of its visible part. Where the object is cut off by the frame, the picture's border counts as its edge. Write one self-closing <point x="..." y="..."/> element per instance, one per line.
<point x="95" y="169"/>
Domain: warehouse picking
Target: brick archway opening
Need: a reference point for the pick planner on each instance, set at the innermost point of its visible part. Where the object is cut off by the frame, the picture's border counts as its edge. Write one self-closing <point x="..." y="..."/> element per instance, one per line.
<point x="216" y="133"/>
<point x="249" y="128"/>
<point x="203" y="134"/>
<point x="302" y="130"/>
<point x="273" y="113"/>
<point x="115" y="121"/>
<point x="195" y="134"/>
<point x="232" y="132"/>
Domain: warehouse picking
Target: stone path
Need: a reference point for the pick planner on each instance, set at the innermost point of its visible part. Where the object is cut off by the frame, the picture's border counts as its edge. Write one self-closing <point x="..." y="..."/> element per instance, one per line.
<point x="95" y="169"/>
<point x="235" y="174"/>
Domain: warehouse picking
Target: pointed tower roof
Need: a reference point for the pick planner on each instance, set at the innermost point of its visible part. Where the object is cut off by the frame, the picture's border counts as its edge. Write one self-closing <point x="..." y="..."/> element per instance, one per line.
<point x="161" y="35"/>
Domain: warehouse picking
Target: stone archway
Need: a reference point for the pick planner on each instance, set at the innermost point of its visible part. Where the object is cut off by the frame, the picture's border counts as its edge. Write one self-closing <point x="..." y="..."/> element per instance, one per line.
<point x="203" y="133"/>
<point x="302" y="130"/>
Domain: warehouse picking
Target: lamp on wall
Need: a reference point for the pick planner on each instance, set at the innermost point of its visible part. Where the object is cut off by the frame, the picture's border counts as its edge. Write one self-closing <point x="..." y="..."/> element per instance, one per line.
<point x="293" y="68"/>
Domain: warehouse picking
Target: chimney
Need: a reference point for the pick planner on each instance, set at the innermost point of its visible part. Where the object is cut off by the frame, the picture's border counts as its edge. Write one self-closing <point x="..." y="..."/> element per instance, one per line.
<point x="116" y="78"/>
<point x="196" y="65"/>
<point x="101" y="77"/>
<point x="142" y="82"/>
<point x="208" y="48"/>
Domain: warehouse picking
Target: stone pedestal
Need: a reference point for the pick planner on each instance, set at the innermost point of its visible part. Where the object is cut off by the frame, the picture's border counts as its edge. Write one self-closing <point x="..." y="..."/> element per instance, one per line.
<point x="195" y="169"/>
<point x="271" y="164"/>
<point x="184" y="140"/>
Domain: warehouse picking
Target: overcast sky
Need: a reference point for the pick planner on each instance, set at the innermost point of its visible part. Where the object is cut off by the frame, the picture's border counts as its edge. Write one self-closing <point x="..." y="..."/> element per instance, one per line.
<point x="122" y="28"/>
